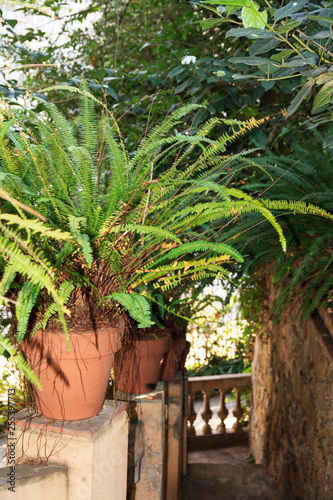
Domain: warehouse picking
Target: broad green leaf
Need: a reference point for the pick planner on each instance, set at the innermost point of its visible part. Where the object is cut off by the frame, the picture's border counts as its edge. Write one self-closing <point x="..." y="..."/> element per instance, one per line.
<point x="321" y="18"/>
<point x="11" y="22"/>
<point x="287" y="27"/>
<point x="263" y="45"/>
<point x="324" y="96"/>
<point x="210" y="23"/>
<point x="268" y="84"/>
<point x="320" y="35"/>
<point x="328" y="141"/>
<point x="326" y="77"/>
<point x="289" y="9"/>
<point x="231" y="9"/>
<point x="111" y="93"/>
<point x="300" y="96"/>
<point x="270" y="67"/>
<point x="247" y="32"/>
<point x="177" y="71"/>
<point x="240" y="3"/>
<point x="216" y="10"/>
<point x="250" y="61"/>
<point x="299" y="61"/>
<point x="200" y="117"/>
<point x="252" y="18"/>
<point x="282" y="55"/>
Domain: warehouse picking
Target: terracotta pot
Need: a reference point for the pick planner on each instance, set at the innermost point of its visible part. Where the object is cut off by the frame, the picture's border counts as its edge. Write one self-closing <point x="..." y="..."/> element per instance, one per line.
<point x="73" y="382"/>
<point x="136" y="368"/>
<point x="184" y="356"/>
<point x="173" y="360"/>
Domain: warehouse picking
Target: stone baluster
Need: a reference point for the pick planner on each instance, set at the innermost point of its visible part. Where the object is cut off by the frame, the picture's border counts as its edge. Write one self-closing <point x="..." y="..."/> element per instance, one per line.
<point x="222" y="413"/>
<point x="206" y="414"/>
<point x="191" y="416"/>
<point x="238" y="412"/>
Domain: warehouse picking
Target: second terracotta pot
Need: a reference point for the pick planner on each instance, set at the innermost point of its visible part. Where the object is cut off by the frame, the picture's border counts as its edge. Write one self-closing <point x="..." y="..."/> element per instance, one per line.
<point x="73" y="382"/>
<point x="136" y="368"/>
<point x="173" y="360"/>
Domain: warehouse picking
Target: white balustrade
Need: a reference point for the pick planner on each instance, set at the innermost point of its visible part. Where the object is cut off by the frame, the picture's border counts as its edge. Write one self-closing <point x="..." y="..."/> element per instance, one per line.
<point x="222" y="383"/>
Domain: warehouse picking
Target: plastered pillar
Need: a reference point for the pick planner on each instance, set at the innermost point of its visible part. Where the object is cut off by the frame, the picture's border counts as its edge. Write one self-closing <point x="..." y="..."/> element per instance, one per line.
<point x="94" y="450"/>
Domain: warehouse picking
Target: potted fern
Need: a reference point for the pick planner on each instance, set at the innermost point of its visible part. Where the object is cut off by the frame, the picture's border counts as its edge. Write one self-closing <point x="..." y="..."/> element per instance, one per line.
<point x="115" y="226"/>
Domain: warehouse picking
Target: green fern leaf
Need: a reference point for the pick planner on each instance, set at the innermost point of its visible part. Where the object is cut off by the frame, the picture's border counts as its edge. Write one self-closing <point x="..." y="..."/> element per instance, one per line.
<point x="26" y="300"/>
<point x="64" y="292"/>
<point x="20" y="362"/>
<point x="8" y="277"/>
<point x="82" y="239"/>
<point x="155" y="231"/>
<point x="36" y="227"/>
<point x="200" y="246"/>
<point x="136" y="305"/>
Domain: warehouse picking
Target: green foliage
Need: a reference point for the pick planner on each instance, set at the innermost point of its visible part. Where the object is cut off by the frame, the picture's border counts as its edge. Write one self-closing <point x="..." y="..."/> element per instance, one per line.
<point x="136" y="305"/>
<point x="306" y="269"/>
<point x="17" y="358"/>
<point x="112" y="223"/>
<point x="65" y="291"/>
<point x="137" y="68"/>
<point x="26" y="300"/>
<point x="218" y="365"/>
<point x="287" y="44"/>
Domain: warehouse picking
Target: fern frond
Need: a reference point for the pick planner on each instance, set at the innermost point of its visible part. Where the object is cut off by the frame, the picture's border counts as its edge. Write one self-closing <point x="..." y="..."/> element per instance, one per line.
<point x="36" y="227"/>
<point x="136" y="305"/>
<point x="20" y="362"/>
<point x="150" y="230"/>
<point x="81" y="239"/>
<point x="87" y="123"/>
<point x="296" y="207"/>
<point x="8" y="278"/>
<point x="64" y="292"/>
<point x="119" y="159"/>
<point x="26" y="300"/>
<point x="198" y="246"/>
<point x="26" y="266"/>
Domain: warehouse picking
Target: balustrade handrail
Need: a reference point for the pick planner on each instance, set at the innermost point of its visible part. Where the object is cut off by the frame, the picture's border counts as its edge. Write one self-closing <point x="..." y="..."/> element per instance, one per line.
<point x="211" y="382"/>
<point x="223" y="383"/>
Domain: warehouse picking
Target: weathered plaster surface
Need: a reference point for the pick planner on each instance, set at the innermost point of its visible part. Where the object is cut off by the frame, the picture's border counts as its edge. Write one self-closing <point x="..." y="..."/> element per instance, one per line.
<point x="292" y="415"/>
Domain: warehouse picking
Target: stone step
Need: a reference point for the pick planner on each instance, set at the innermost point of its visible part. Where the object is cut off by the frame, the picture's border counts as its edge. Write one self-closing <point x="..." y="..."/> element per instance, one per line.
<point x="34" y="482"/>
<point x="229" y="482"/>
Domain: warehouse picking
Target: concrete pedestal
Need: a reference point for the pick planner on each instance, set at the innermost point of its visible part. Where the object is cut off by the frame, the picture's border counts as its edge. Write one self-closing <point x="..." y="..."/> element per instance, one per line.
<point x="34" y="482"/>
<point x="174" y="390"/>
<point x="146" y="444"/>
<point x="94" y="450"/>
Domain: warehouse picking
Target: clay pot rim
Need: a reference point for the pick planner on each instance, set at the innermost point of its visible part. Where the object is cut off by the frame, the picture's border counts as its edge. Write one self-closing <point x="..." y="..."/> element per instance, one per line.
<point x="88" y="331"/>
<point x="106" y="342"/>
<point x="77" y="333"/>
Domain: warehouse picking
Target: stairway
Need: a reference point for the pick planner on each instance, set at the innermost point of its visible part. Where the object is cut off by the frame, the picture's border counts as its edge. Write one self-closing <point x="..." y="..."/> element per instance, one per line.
<point x="224" y="474"/>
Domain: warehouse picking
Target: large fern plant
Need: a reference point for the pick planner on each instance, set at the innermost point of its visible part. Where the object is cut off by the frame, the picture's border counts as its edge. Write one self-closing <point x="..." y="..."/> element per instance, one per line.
<point x="304" y="175"/>
<point x="112" y="226"/>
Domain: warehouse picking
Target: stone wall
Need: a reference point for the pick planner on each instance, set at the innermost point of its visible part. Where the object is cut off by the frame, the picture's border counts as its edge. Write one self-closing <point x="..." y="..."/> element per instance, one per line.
<point x="292" y="401"/>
